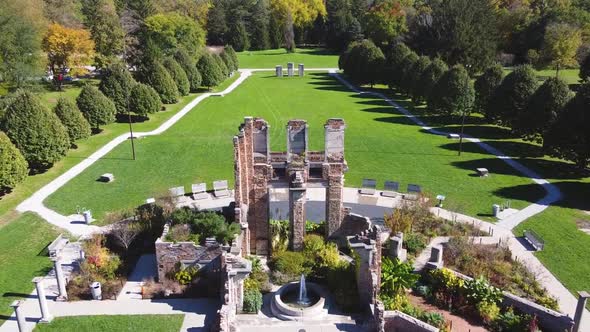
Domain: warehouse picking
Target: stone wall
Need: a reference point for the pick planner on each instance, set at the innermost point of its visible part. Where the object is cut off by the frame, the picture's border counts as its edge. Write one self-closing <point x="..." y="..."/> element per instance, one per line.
<point x="396" y="321"/>
<point x="367" y="247"/>
<point x="352" y="224"/>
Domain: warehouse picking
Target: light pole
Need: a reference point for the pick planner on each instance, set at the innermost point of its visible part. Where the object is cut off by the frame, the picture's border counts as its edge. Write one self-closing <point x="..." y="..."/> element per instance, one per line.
<point x="462" y="130"/>
<point x="127" y="103"/>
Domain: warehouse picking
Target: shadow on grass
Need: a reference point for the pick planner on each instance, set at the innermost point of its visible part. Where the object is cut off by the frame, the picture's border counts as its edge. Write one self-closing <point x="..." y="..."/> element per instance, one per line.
<point x="575" y="193"/>
<point x="509" y="148"/>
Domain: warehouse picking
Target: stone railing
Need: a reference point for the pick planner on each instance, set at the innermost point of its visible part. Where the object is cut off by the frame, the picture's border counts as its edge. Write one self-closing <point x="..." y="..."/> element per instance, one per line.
<point x="396" y="321"/>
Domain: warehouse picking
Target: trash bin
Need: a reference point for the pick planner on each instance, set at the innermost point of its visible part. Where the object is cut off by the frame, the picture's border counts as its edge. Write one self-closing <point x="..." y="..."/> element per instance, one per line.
<point x="96" y="291"/>
<point x="495" y="210"/>
<point x="87" y="216"/>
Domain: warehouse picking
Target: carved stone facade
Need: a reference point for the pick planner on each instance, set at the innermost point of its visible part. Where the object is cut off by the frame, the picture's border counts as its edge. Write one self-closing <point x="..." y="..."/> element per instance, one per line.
<point x="257" y="170"/>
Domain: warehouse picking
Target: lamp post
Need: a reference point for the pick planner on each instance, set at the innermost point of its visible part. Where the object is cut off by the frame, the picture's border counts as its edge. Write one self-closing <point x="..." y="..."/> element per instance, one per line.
<point x="440" y="198"/>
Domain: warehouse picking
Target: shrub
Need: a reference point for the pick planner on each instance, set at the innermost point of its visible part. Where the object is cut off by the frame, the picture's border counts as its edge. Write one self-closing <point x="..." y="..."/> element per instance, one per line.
<point x="479" y="290"/>
<point x="178" y="75"/>
<point x="363" y="62"/>
<point x="290" y="265"/>
<point x="341" y="281"/>
<point x="415" y="243"/>
<point x="156" y="76"/>
<point x="100" y="262"/>
<point x="252" y="300"/>
<point x="224" y="69"/>
<point x="510" y="321"/>
<point x="116" y="84"/>
<point x="397" y="276"/>
<point x="186" y="276"/>
<point x="190" y="68"/>
<point x="487" y="311"/>
<point x="96" y="107"/>
<point x="228" y="61"/>
<point x="234" y="57"/>
<point x="210" y="72"/>
<point x="35" y="131"/>
<point x="394" y="302"/>
<point x="70" y="116"/>
<point x="322" y="255"/>
<point x="13" y="169"/>
<point x="205" y="224"/>
<point x="144" y="100"/>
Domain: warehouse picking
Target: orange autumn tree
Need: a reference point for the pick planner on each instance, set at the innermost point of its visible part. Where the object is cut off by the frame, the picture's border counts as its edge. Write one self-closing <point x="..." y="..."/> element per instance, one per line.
<point x="67" y="48"/>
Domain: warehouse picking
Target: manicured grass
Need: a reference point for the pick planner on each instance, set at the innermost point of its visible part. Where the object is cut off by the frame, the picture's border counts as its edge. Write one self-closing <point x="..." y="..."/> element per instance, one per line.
<point x="22" y="257"/>
<point x="311" y="58"/>
<point x="570" y="76"/>
<point x="114" y="323"/>
<point x="380" y="143"/>
<point x="86" y="148"/>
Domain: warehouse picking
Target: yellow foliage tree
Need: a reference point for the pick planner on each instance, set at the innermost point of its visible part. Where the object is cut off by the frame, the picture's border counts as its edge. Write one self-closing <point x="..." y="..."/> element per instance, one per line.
<point x="299" y="13"/>
<point x="561" y="44"/>
<point x="67" y="48"/>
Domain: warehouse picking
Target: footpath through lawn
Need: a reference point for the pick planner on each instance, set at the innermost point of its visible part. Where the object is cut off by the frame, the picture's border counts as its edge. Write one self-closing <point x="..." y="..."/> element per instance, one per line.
<point x="380" y="143"/>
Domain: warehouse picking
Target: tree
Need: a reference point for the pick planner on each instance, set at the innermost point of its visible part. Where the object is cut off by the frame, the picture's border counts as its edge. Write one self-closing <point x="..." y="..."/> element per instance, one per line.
<point x="238" y="36"/>
<point x="585" y="69"/>
<point x="102" y="20"/>
<point x="459" y="31"/>
<point x="404" y="72"/>
<point x="13" y="168"/>
<point x="485" y="85"/>
<point x="217" y="24"/>
<point x="145" y="100"/>
<point x="67" y="48"/>
<point x="544" y="108"/>
<point x="178" y="75"/>
<point x="453" y="93"/>
<point x="295" y="13"/>
<point x="386" y="20"/>
<point x="395" y="56"/>
<point x="190" y="68"/>
<point x="414" y="80"/>
<point x="569" y="138"/>
<point x="259" y="24"/>
<point x="65" y="12"/>
<point x="228" y="61"/>
<point x="170" y="31"/>
<point x="430" y="77"/>
<point x="363" y="62"/>
<point x="96" y="107"/>
<point x="560" y="45"/>
<point x="341" y="25"/>
<point x="210" y="71"/>
<point x="35" y="130"/>
<point x="233" y="56"/>
<point x="222" y="67"/>
<point x="72" y="119"/>
<point x="116" y="84"/>
<point x="512" y="96"/>
<point x="155" y="75"/>
<point x="125" y="232"/>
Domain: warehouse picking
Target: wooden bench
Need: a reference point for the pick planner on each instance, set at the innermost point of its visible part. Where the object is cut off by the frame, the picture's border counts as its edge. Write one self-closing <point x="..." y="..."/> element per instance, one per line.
<point x="57" y="245"/>
<point x="482" y="171"/>
<point x="534" y="239"/>
<point x="368" y="187"/>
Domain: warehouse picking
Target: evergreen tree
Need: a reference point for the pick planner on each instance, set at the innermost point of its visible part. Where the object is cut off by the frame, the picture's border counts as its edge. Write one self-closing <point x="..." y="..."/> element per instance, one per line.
<point x="404" y="72"/>
<point x="190" y="68"/>
<point x="259" y="23"/>
<point x="35" y="130"/>
<point x="485" y="85"/>
<point x="178" y="75"/>
<point x="569" y="137"/>
<point x="210" y="71"/>
<point x="234" y="57"/>
<point x="512" y="96"/>
<point x="227" y="60"/>
<point x="96" y="107"/>
<point x="145" y="100"/>
<point x="238" y="36"/>
<point x="72" y="119"/>
<point x="276" y="32"/>
<point x="13" y="168"/>
<point x="105" y="27"/>
<point x="414" y="80"/>
<point x="585" y="68"/>
<point x="453" y="94"/>
<point x="544" y="108"/>
<point x="222" y="67"/>
<point x="430" y="77"/>
<point x="155" y="75"/>
<point x="116" y="84"/>
<point x="217" y="24"/>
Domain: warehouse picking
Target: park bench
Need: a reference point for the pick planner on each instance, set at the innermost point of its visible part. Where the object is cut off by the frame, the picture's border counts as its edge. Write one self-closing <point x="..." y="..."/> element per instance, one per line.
<point x="57" y="245"/>
<point x="220" y="188"/>
<point x="414" y="192"/>
<point x="391" y="189"/>
<point x="368" y="187"/>
<point x="176" y="191"/>
<point x="107" y="177"/>
<point x="534" y="239"/>
<point x="482" y="171"/>
<point x="200" y="191"/>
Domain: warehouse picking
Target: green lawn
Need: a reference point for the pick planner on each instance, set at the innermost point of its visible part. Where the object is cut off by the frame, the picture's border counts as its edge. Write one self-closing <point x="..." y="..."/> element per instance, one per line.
<point x="311" y="58"/>
<point x="114" y="323"/>
<point x="570" y="76"/>
<point x="22" y="257"/>
<point x="380" y="144"/>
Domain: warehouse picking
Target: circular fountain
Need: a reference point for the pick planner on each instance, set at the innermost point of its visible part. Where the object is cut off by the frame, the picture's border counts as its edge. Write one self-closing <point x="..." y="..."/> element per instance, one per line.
<point x="299" y="301"/>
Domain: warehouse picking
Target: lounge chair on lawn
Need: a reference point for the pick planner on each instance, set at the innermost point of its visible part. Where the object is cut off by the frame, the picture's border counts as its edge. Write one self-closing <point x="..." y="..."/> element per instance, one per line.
<point x="199" y="191"/>
<point x="220" y="188"/>
<point x="368" y="187"/>
<point x="391" y="189"/>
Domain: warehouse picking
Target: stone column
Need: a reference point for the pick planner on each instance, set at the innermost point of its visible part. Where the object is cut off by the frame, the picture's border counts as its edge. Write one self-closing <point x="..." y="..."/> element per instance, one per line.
<point x="45" y="315"/>
<point x="297" y="218"/>
<point x="290" y="66"/>
<point x="583" y="297"/>
<point x="61" y="280"/>
<point x="334" y="194"/>
<point x="260" y="205"/>
<point x="20" y="318"/>
<point x="301" y="70"/>
<point x="279" y="71"/>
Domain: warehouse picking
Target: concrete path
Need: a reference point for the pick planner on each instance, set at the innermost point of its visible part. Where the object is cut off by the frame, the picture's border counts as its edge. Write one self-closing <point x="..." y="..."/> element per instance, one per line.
<point x="145" y="268"/>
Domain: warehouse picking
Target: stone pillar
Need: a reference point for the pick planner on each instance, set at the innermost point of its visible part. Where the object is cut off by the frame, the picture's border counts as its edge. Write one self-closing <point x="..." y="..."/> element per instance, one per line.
<point x="436" y="257"/>
<point x="333" y="169"/>
<point x="279" y="71"/>
<point x="301" y="70"/>
<point x="61" y="281"/>
<point x="297" y="139"/>
<point x="583" y="297"/>
<point x="290" y="66"/>
<point x="261" y="205"/>
<point x="297" y="217"/>
<point x="20" y="318"/>
<point x="45" y="315"/>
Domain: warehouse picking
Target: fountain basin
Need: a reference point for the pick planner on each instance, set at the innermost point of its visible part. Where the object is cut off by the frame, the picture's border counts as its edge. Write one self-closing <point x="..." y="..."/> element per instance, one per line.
<point x="292" y="311"/>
